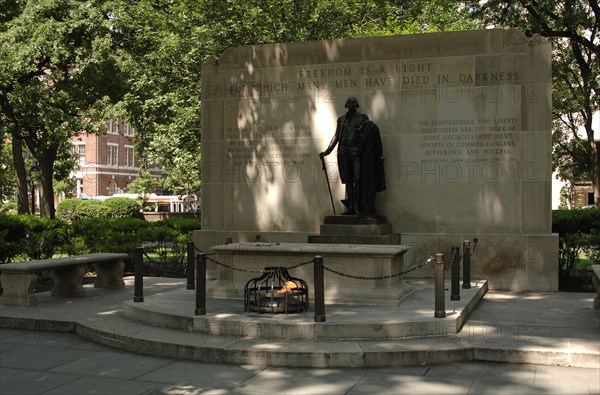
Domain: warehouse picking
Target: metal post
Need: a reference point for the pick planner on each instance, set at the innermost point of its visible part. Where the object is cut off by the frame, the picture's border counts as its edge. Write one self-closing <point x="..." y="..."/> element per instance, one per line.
<point x="138" y="262"/>
<point x="191" y="255"/>
<point x="319" y="290"/>
<point x="466" y="264"/>
<point x="33" y="198"/>
<point x="455" y="275"/>
<point x="440" y="309"/>
<point x="201" y="284"/>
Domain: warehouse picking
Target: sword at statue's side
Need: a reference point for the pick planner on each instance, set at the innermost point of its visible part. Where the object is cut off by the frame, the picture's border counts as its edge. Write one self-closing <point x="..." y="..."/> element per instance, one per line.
<point x="328" y="186"/>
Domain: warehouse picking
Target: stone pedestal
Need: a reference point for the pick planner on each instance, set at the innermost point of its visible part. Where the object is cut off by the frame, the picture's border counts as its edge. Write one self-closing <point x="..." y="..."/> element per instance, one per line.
<point x="110" y="275"/>
<point x="241" y="262"/>
<point x="18" y="288"/>
<point x="353" y="229"/>
<point x="68" y="281"/>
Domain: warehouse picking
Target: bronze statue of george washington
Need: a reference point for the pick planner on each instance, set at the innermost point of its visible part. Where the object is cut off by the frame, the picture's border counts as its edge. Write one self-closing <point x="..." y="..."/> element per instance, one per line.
<point x="360" y="159"/>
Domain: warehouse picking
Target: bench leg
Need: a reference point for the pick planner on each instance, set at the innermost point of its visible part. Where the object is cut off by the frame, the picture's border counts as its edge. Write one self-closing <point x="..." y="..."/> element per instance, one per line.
<point x="18" y="289"/>
<point x="110" y="275"/>
<point x="68" y="281"/>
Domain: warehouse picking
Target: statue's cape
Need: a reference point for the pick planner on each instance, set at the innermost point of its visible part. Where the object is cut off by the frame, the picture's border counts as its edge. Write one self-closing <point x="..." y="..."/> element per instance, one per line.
<point x="373" y="155"/>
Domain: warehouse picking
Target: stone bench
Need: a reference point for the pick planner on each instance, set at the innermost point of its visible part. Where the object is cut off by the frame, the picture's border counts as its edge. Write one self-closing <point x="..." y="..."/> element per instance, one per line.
<point x="596" y="280"/>
<point x="19" y="279"/>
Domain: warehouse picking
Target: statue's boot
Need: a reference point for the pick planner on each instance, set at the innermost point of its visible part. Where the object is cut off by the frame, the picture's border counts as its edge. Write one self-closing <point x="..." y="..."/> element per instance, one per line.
<point x="350" y="202"/>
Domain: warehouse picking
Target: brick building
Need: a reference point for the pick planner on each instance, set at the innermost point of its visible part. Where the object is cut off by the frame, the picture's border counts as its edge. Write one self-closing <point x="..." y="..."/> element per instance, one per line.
<point x="107" y="163"/>
<point x="583" y="194"/>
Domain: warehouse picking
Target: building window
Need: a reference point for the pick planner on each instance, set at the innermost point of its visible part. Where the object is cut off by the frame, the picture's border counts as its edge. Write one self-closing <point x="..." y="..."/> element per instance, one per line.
<point x="112" y="188"/>
<point x="129" y="131"/>
<point x="113" y="126"/>
<point x="590" y="198"/>
<point x="80" y="153"/>
<point x="113" y="155"/>
<point x="129" y="156"/>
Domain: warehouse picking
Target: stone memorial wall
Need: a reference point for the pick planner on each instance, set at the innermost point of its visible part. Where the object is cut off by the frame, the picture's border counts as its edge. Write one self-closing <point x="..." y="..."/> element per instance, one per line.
<point x="465" y="120"/>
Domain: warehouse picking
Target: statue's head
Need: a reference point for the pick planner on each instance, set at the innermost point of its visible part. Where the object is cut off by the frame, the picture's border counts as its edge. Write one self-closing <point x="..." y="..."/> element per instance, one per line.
<point x="351" y="103"/>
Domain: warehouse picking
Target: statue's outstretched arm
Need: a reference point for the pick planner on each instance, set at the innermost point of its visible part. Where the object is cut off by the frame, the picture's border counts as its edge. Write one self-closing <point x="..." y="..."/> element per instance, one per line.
<point x="332" y="144"/>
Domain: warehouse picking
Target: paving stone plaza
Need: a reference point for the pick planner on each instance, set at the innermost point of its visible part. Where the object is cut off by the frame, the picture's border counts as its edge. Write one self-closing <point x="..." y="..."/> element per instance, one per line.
<point x="527" y="343"/>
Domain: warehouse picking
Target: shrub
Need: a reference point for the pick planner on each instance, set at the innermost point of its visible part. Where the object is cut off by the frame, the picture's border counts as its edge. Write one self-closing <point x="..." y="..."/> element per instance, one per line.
<point x="181" y="224"/>
<point x="71" y="210"/>
<point x="165" y="249"/>
<point x="12" y="237"/>
<point x="45" y="237"/>
<point x="108" y="235"/>
<point x="93" y="209"/>
<point x="30" y="237"/>
<point x="123" y="207"/>
<point x="8" y="207"/>
<point x="68" y="210"/>
<point x="578" y="231"/>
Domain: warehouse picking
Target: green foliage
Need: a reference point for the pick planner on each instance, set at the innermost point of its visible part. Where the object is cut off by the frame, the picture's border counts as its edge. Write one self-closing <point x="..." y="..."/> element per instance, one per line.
<point x="108" y="235"/>
<point x="9" y="207"/>
<point x="166" y="248"/>
<point x="30" y="237"/>
<point x="76" y="209"/>
<point x="45" y="236"/>
<point x="60" y="74"/>
<point x="12" y="237"/>
<point x="579" y="231"/>
<point x="93" y="209"/>
<point x="144" y="184"/>
<point x="69" y="210"/>
<point x="123" y="207"/>
<point x="7" y="171"/>
<point x="25" y="237"/>
<point x="170" y="41"/>
<point x="182" y="225"/>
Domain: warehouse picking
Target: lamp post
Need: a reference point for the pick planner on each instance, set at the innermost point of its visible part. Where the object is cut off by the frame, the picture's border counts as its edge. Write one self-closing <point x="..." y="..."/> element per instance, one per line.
<point x="34" y="173"/>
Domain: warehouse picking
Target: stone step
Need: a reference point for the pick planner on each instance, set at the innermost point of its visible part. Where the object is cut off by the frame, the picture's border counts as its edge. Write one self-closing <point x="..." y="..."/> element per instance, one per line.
<point x="391" y="239"/>
<point x="412" y="318"/>
<point x="354" y="220"/>
<point x="356" y="230"/>
<point x="132" y="336"/>
<point x="523" y="338"/>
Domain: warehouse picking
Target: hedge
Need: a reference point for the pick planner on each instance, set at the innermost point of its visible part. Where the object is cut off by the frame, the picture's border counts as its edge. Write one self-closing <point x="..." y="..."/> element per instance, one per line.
<point x="119" y="207"/>
<point x="579" y="231"/>
<point x="30" y="237"/>
<point x="25" y="237"/>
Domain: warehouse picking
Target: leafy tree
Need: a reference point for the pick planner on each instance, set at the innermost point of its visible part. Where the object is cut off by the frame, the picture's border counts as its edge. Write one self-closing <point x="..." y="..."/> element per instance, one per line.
<point x="169" y="41"/>
<point x="59" y="74"/>
<point x="573" y="26"/>
<point x="63" y="65"/>
<point x="7" y="171"/>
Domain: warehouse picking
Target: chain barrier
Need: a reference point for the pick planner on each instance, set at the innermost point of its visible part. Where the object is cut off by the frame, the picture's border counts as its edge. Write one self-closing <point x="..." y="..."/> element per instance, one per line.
<point x="379" y="277"/>
<point x="256" y="270"/>
<point x="262" y="271"/>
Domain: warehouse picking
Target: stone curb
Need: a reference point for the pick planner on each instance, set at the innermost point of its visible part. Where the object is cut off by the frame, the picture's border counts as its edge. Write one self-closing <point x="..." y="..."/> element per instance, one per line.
<point x="334" y="354"/>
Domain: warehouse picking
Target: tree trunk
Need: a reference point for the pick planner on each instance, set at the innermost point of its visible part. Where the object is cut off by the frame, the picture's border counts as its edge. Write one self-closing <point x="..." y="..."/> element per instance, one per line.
<point x="19" y="163"/>
<point x="45" y="184"/>
<point x="596" y="172"/>
<point x="46" y="156"/>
